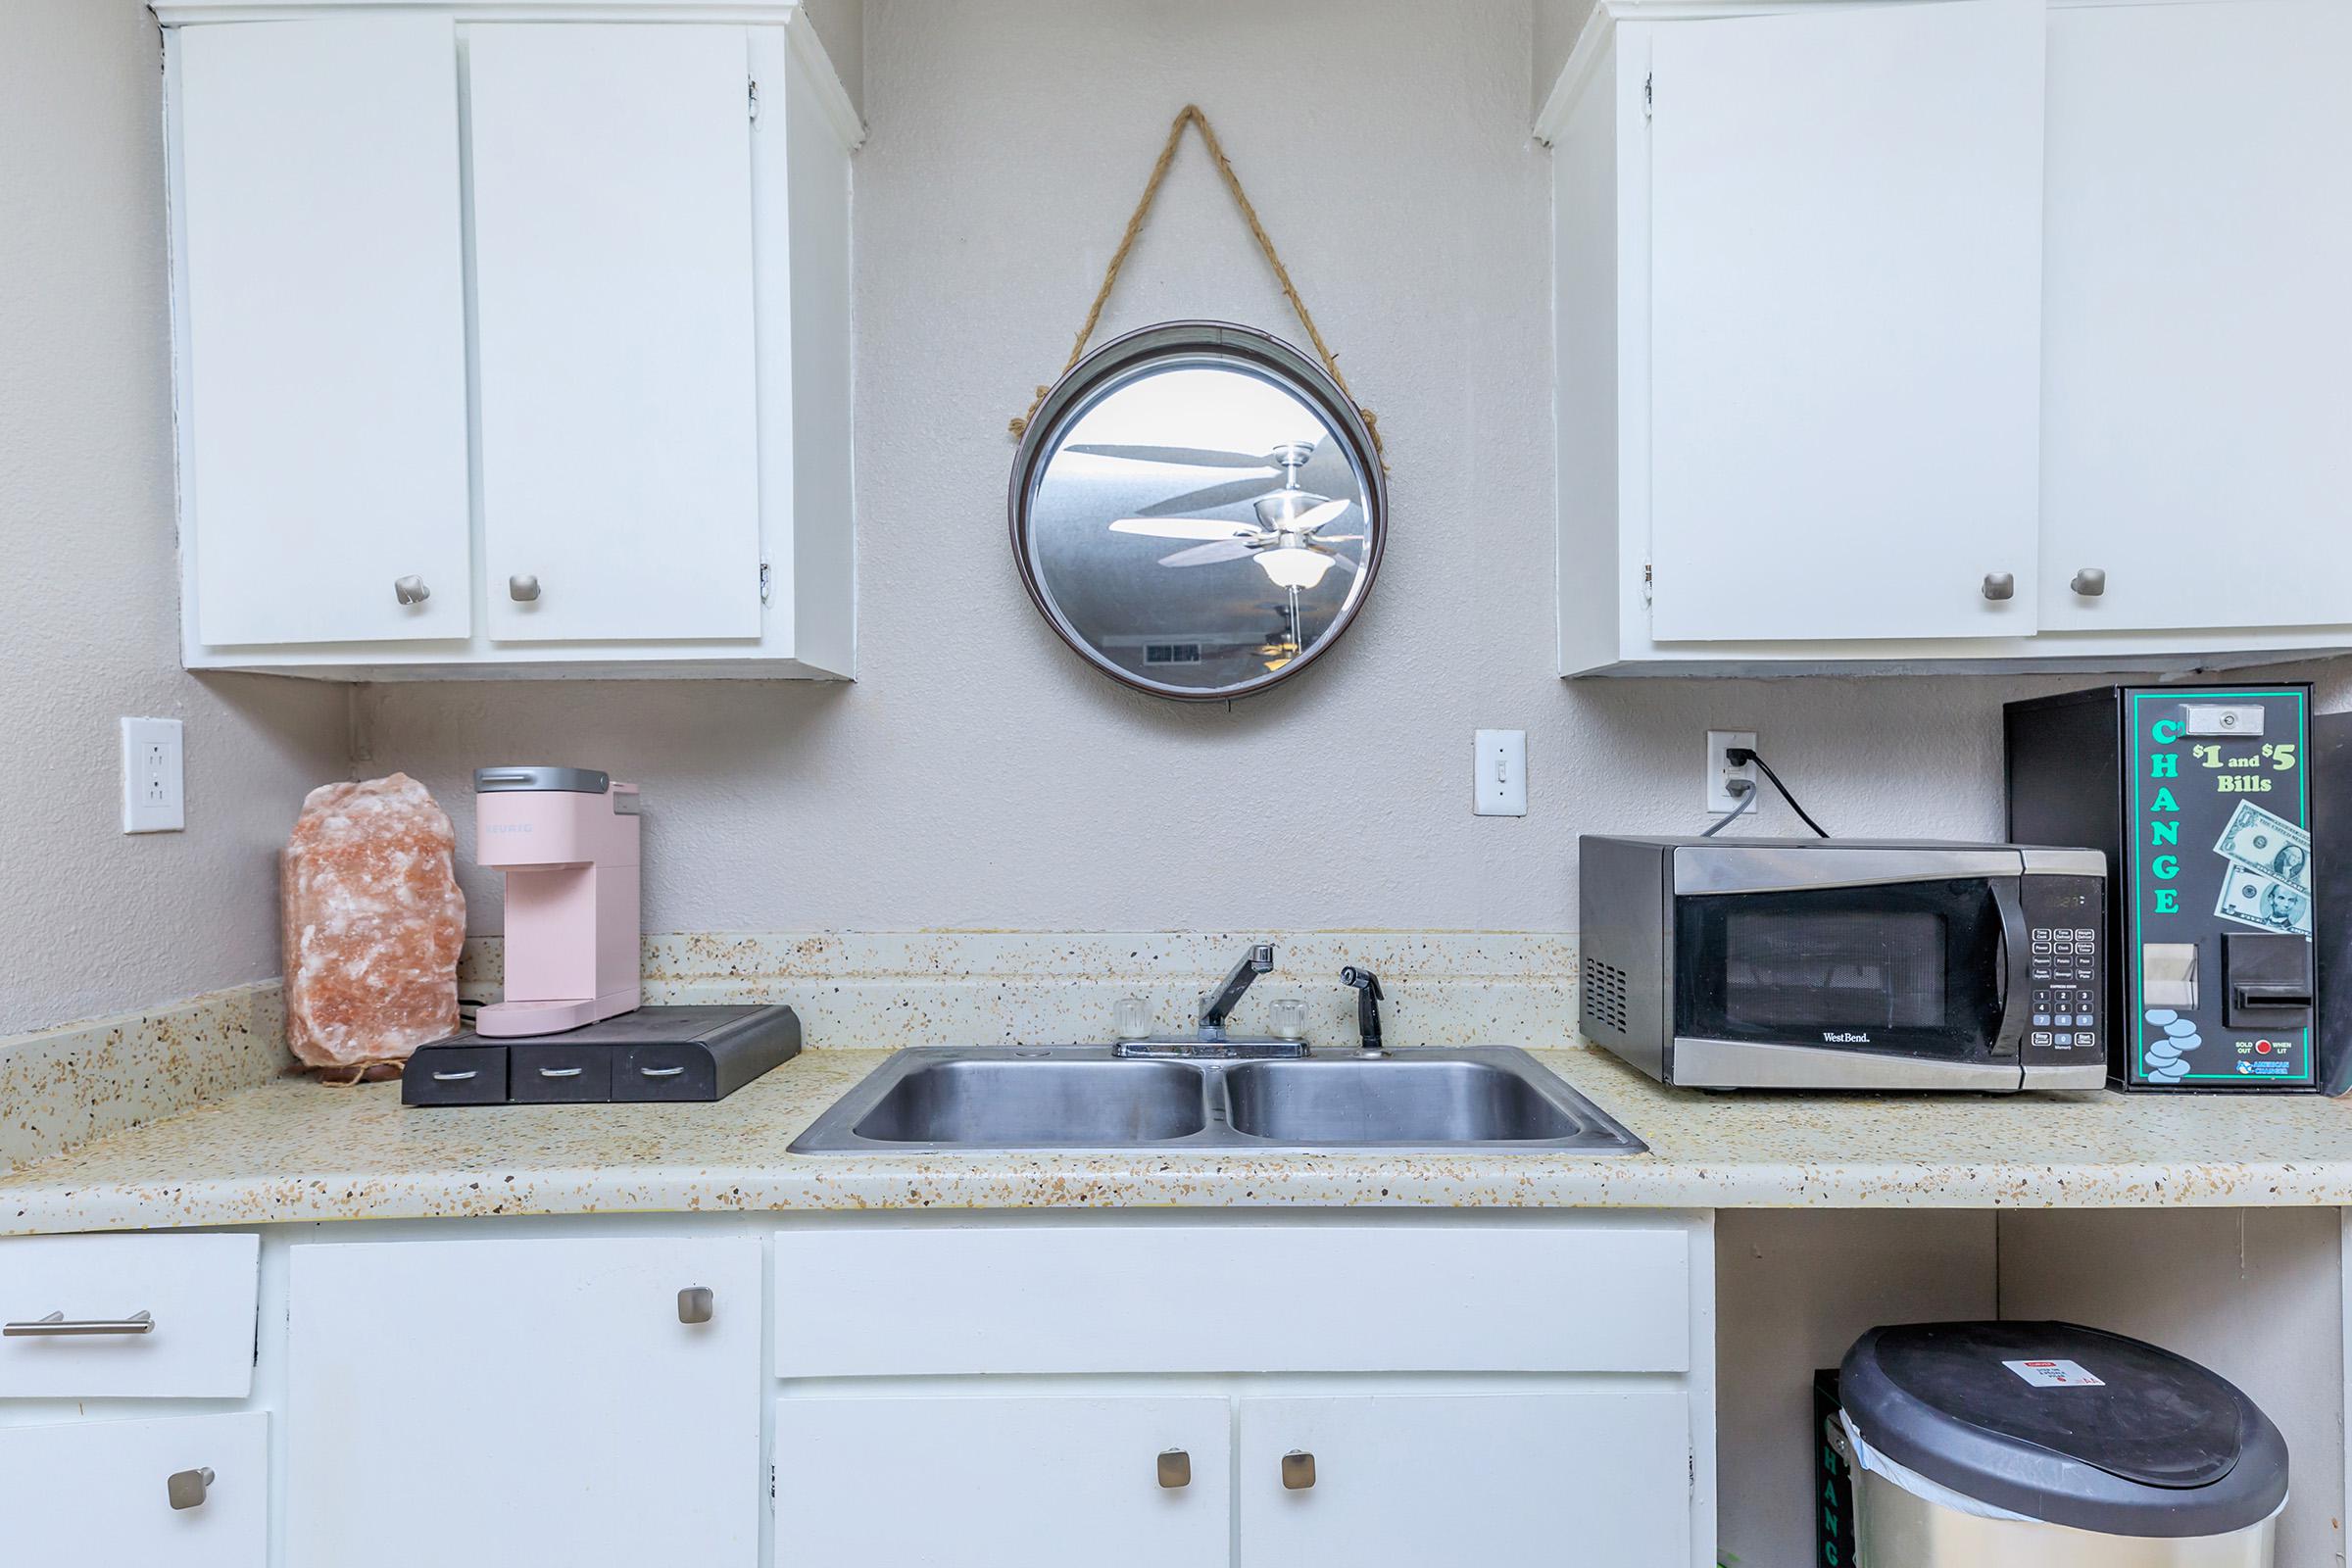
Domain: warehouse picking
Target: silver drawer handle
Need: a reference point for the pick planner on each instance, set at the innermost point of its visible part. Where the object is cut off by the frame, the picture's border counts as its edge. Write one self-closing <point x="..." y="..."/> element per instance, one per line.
<point x="697" y="1303"/>
<point x="523" y="588"/>
<point x="457" y="1077"/>
<point x="561" y="1072"/>
<point x="59" y="1326"/>
<point x="1999" y="585"/>
<point x="410" y="590"/>
<point x="186" y="1488"/>
<point x="660" y="1073"/>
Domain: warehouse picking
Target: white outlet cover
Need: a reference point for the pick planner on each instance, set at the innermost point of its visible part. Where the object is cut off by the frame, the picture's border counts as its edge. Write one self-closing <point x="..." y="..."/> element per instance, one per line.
<point x="1719" y="773"/>
<point x="1498" y="776"/>
<point x="154" y="783"/>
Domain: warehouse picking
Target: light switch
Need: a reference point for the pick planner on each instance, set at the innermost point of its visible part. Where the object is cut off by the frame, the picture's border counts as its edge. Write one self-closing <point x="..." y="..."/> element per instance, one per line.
<point x="1500" y="777"/>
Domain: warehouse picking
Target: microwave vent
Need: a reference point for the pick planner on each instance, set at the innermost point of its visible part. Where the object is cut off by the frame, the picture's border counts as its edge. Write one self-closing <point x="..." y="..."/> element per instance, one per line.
<point x="1604" y="996"/>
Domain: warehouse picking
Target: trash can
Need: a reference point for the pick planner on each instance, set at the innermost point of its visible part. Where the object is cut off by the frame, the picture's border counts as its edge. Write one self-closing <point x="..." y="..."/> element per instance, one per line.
<point x="2052" y="1445"/>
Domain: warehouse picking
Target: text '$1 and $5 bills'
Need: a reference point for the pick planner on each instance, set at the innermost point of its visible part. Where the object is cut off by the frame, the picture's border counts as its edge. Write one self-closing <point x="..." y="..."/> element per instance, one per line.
<point x="2268" y="885"/>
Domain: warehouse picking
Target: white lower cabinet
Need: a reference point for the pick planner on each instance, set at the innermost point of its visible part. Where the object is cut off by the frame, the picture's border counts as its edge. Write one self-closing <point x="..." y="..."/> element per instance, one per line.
<point x="1072" y="1482"/>
<point x="1498" y="1480"/>
<point x="190" y="1492"/>
<point x="548" y="1402"/>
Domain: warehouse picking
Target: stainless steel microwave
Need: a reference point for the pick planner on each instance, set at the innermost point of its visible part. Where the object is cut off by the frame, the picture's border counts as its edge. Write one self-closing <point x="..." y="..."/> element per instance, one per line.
<point x="1830" y="964"/>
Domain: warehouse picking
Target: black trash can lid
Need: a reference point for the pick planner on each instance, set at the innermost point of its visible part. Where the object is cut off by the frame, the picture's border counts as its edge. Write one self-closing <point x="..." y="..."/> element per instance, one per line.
<point x="2071" y="1425"/>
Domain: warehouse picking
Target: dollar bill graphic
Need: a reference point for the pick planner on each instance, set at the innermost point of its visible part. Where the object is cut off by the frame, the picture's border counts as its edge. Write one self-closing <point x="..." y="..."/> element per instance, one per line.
<point x="2252" y="898"/>
<point x="2261" y="841"/>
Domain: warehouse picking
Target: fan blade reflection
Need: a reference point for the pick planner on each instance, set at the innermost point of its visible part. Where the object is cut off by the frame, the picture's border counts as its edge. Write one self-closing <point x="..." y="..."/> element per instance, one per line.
<point x="1203" y="555"/>
<point x="1182" y="527"/>
<point x="1186" y="456"/>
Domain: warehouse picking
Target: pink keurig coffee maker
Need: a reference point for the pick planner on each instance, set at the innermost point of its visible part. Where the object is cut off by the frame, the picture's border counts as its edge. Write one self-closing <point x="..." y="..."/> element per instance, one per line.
<point x="567" y="838"/>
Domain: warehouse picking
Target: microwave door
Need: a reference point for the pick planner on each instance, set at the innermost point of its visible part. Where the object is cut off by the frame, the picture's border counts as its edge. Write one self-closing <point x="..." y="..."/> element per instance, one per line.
<point x="1915" y="983"/>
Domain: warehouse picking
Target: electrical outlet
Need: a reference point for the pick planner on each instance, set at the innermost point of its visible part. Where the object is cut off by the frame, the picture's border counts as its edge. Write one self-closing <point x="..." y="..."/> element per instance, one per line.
<point x="154" y="791"/>
<point x="1498" y="781"/>
<point x="1719" y="772"/>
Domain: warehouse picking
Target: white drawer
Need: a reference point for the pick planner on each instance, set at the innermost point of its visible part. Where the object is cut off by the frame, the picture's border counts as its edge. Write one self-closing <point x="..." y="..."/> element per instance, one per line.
<point x="855" y="1302"/>
<point x="100" y="1495"/>
<point x="197" y="1292"/>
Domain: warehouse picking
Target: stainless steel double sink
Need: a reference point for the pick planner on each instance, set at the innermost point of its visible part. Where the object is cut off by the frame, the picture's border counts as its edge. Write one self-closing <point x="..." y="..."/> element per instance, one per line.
<point x="1083" y="1096"/>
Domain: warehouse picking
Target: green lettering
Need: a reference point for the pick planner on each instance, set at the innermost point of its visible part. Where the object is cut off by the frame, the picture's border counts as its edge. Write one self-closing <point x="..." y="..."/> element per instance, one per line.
<point x="2164" y="765"/>
<point x="2164" y="731"/>
<point x="2164" y="832"/>
<point x="2164" y="800"/>
<point x="2165" y="866"/>
<point x="2168" y="902"/>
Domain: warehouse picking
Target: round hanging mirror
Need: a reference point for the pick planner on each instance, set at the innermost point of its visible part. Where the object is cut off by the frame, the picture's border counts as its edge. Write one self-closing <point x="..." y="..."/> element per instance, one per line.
<point x="1197" y="510"/>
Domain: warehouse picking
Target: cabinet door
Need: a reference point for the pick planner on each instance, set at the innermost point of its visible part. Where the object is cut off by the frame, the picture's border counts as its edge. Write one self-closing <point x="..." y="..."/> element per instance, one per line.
<point x="1844" y="316"/>
<point x="1002" y="1483"/>
<point x="100" y="1493"/>
<point x="1502" y="1480"/>
<point x="544" y="1400"/>
<point x="2195" y="446"/>
<point x="320" y="290"/>
<point x="612" y="269"/>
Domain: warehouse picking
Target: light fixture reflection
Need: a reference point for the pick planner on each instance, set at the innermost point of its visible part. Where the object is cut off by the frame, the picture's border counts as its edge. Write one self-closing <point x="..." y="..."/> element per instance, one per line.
<point x="1294" y="566"/>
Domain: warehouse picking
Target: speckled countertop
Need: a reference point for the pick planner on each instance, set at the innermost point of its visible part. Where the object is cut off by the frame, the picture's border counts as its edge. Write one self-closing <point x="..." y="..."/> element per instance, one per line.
<point x="294" y="1150"/>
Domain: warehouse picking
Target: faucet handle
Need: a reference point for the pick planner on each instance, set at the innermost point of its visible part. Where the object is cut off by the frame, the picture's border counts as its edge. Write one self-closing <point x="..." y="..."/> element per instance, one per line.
<point x="1261" y="956"/>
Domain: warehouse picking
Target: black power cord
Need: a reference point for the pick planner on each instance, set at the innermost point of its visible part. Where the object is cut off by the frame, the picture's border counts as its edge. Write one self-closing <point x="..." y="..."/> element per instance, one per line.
<point x="1741" y="755"/>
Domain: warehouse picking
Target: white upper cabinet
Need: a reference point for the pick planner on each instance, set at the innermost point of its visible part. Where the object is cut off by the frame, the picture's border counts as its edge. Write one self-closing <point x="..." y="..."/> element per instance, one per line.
<point x="512" y="347"/>
<point x="1845" y="233"/>
<point x="615" y="163"/>
<point x="2199" y="417"/>
<point x="321" y="303"/>
<point x="1878" y="325"/>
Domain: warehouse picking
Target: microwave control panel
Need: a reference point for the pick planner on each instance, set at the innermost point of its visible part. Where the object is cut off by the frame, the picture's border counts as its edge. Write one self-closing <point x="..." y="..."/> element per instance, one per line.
<point x="2066" y="923"/>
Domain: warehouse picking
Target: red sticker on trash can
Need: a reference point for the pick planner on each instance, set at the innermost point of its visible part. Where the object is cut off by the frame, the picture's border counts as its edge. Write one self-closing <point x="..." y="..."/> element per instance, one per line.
<point x="2055" y="1374"/>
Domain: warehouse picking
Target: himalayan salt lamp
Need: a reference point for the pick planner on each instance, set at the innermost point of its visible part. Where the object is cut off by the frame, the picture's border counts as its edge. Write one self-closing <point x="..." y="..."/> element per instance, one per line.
<point x="372" y="923"/>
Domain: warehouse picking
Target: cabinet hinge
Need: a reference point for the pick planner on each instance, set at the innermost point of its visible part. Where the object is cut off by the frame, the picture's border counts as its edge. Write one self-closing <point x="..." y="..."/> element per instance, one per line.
<point x="1648" y="580"/>
<point x="1649" y="94"/>
<point x="764" y="582"/>
<point x="754" y="96"/>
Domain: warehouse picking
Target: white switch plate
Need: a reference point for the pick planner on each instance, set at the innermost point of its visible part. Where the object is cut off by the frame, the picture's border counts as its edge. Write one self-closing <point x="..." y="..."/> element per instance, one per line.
<point x="1500" y="777"/>
<point x="154" y="790"/>
<point x="1720" y="773"/>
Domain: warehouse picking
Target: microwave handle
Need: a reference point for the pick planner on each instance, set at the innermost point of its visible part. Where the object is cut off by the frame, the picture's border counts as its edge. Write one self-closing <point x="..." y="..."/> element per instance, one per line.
<point x="2015" y="988"/>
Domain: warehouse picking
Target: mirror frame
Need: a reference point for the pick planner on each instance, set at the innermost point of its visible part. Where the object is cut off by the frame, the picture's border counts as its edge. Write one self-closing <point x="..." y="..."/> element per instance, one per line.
<point x="1176" y="341"/>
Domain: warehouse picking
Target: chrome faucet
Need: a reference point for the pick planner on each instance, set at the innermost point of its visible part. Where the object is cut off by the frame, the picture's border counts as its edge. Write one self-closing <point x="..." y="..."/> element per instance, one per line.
<point x="1218" y="1005"/>
<point x="1210" y="1038"/>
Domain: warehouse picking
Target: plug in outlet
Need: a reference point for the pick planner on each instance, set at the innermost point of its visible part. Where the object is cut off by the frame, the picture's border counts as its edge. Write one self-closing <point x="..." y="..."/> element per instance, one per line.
<point x="153" y="796"/>
<point x="1721" y="772"/>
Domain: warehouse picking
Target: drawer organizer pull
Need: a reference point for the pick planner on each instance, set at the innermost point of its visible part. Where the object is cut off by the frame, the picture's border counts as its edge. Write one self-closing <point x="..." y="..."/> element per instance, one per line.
<point x="456" y="1077"/>
<point x="660" y="1073"/>
<point x="561" y="1072"/>
<point x="1298" y="1470"/>
<point x="59" y="1326"/>
<point x="186" y="1488"/>
<point x="1175" y="1469"/>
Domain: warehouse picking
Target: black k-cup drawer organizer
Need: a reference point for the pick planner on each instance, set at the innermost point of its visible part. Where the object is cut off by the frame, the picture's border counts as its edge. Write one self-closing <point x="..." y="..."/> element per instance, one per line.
<point x="655" y="1053"/>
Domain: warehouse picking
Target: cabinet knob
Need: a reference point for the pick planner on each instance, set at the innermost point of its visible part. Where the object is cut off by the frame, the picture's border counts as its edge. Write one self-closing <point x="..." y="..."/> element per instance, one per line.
<point x="2000" y="585"/>
<point x="1298" y="1470"/>
<point x="523" y="588"/>
<point x="186" y="1488"/>
<point x="695" y="1303"/>
<point x="2089" y="582"/>
<point x="410" y="590"/>
<point x="1175" y="1469"/>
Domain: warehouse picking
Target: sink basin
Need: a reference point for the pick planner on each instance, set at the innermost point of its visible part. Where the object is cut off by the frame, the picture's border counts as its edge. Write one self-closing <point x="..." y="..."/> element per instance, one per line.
<point x="1083" y="1096"/>
<point x="1037" y="1103"/>
<point x="1396" y="1099"/>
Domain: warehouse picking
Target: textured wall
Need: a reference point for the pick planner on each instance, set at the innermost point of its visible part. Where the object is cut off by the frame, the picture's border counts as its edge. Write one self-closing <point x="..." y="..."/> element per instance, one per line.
<point x="977" y="774"/>
<point x="93" y="921"/>
<point x="1557" y="24"/>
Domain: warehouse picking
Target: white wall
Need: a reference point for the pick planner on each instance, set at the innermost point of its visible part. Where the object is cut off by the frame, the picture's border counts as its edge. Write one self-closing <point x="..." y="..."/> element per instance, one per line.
<point x="977" y="774"/>
<point x="1557" y="24"/>
<point x="92" y="921"/>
